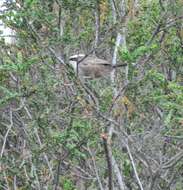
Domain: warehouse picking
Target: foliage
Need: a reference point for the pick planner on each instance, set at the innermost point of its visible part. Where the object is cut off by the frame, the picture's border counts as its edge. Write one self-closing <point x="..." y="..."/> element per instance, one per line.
<point x="55" y="126"/>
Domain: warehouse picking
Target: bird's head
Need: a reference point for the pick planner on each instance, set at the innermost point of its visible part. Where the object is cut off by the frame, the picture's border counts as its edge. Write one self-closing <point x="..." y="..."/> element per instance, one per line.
<point x="73" y="60"/>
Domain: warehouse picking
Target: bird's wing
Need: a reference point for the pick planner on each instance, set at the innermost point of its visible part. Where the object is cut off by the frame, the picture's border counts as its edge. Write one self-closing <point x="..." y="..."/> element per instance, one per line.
<point x="94" y="61"/>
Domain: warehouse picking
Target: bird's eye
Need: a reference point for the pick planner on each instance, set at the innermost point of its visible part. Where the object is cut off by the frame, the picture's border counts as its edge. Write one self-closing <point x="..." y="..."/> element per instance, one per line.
<point x="73" y="59"/>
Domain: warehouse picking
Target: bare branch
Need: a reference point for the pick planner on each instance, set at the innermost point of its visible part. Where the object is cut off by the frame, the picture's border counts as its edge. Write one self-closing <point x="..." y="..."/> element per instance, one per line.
<point x="118" y="174"/>
<point x="109" y="160"/>
<point x="7" y="132"/>
<point x="134" y="167"/>
<point x="95" y="169"/>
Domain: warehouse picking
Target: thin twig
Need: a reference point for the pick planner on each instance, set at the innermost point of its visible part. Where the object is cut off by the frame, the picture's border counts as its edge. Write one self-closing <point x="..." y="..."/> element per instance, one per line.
<point x="40" y="143"/>
<point x="173" y="160"/>
<point x="118" y="174"/>
<point x="6" y="135"/>
<point x="134" y="167"/>
<point x="44" y="154"/>
<point x="14" y="183"/>
<point x="6" y="180"/>
<point x="36" y="176"/>
<point x="96" y="170"/>
<point x="57" y="174"/>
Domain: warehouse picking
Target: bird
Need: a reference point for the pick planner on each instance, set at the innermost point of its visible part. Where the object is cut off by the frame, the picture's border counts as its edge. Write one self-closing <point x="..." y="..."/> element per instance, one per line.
<point x="90" y="66"/>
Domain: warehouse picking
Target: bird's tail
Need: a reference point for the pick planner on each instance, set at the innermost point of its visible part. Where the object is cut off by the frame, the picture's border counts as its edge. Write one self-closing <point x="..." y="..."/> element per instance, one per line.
<point x="120" y="65"/>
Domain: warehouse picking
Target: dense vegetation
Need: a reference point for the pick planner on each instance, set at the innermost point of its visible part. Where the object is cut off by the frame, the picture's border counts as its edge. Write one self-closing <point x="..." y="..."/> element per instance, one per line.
<point x="60" y="132"/>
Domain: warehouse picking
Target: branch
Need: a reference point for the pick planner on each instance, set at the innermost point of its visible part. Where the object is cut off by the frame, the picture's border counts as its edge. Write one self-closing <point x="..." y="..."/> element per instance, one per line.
<point x="40" y="143"/>
<point x="97" y="24"/>
<point x="108" y="158"/>
<point x="96" y="170"/>
<point x="7" y="132"/>
<point x="118" y="174"/>
<point x="134" y="167"/>
<point x="10" y="125"/>
<point x="173" y="160"/>
<point x="57" y="174"/>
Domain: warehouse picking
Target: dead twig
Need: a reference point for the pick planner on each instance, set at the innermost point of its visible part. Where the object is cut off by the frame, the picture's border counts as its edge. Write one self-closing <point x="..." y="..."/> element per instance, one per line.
<point x="95" y="169"/>
<point x="134" y="166"/>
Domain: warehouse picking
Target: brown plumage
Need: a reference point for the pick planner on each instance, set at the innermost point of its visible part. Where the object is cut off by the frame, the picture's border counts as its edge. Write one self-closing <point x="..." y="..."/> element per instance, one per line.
<point x="91" y="66"/>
